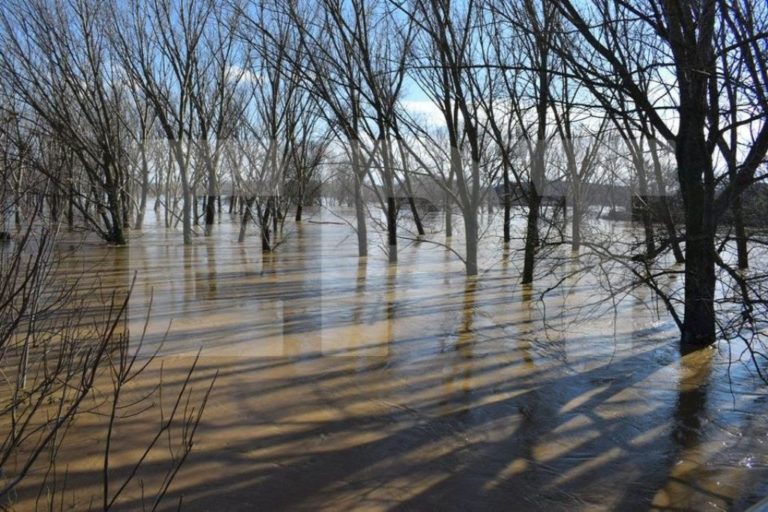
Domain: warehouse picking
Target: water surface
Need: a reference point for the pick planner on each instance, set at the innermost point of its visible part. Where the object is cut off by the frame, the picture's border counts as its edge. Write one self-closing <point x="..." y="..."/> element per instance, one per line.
<point x="349" y="383"/>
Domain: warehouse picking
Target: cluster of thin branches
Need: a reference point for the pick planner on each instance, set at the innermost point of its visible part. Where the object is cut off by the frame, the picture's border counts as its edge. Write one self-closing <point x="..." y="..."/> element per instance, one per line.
<point x="63" y="359"/>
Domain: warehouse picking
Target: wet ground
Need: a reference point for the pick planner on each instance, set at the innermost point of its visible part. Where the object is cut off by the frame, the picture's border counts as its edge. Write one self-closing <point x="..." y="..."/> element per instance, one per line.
<point x="349" y="384"/>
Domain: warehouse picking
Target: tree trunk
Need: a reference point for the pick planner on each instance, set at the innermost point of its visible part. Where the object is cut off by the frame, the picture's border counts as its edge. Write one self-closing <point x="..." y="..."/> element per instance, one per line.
<point x="276" y="219"/>
<point x="697" y="186"/>
<point x="265" y="231"/>
<point x="195" y="208"/>
<point x="144" y="192"/>
<point x="741" y="234"/>
<point x="389" y="184"/>
<point x="116" y="229"/>
<point x="471" y="232"/>
<point x="392" y="227"/>
<point x="412" y="204"/>
<point x="699" y="320"/>
<point x="70" y="205"/>
<point x="531" y="235"/>
<point x="650" y="246"/>
<point x="299" y="208"/>
<point x="416" y="216"/>
<point x="127" y="206"/>
<point x="448" y="218"/>
<point x="362" y="234"/>
<point x="158" y="187"/>
<point x="186" y="205"/>
<point x="448" y="208"/>
<point x="507" y="207"/>
<point x="210" y="212"/>
<point x="576" y="226"/>
<point x="246" y="219"/>
<point x="645" y="213"/>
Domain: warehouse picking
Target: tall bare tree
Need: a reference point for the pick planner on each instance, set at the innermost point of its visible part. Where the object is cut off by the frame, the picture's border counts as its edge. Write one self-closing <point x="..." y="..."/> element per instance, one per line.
<point x="694" y="41"/>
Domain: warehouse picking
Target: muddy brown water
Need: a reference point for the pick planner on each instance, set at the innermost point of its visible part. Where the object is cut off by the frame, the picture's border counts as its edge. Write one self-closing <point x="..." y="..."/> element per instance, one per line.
<point x="349" y="384"/>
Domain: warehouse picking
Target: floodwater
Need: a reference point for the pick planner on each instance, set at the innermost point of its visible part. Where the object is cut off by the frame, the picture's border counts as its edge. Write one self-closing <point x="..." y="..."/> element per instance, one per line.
<point x="349" y="384"/>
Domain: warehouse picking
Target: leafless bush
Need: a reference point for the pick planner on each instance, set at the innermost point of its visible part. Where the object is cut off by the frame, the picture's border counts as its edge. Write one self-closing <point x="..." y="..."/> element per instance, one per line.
<point x="62" y="358"/>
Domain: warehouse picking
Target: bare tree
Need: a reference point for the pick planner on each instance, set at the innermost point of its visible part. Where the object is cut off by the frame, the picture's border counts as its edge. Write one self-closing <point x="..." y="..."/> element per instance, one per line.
<point x="693" y="39"/>
<point x="444" y="49"/>
<point x="57" y="59"/>
<point x="158" y="46"/>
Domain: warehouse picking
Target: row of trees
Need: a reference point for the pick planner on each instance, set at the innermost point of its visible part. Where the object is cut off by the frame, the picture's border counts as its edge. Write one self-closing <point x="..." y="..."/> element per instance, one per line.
<point x="265" y="98"/>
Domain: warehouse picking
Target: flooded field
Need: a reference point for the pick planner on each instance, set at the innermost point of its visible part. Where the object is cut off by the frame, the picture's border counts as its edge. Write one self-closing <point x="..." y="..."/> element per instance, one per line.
<point x="353" y="384"/>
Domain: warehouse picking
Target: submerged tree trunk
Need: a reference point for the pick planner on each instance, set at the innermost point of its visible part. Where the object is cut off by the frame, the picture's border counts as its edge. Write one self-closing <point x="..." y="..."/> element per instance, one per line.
<point x="276" y="219"/>
<point x="416" y="216"/>
<point x="698" y="194"/>
<point x="299" y="211"/>
<point x="246" y="218"/>
<point x="391" y="202"/>
<point x="158" y="188"/>
<point x="210" y="212"/>
<point x="531" y="235"/>
<point x="576" y="225"/>
<point x="507" y="207"/>
<point x="742" y="252"/>
<point x="127" y="208"/>
<point x="195" y="208"/>
<point x="471" y="235"/>
<point x="412" y="201"/>
<point x="392" y="227"/>
<point x="447" y="200"/>
<point x="70" y="203"/>
<point x="265" y="228"/>
<point x="650" y="246"/>
<point x="699" y="319"/>
<point x="448" y="218"/>
<point x="362" y="234"/>
<point x="116" y="230"/>
<point x="186" y="205"/>
<point x="144" y="191"/>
